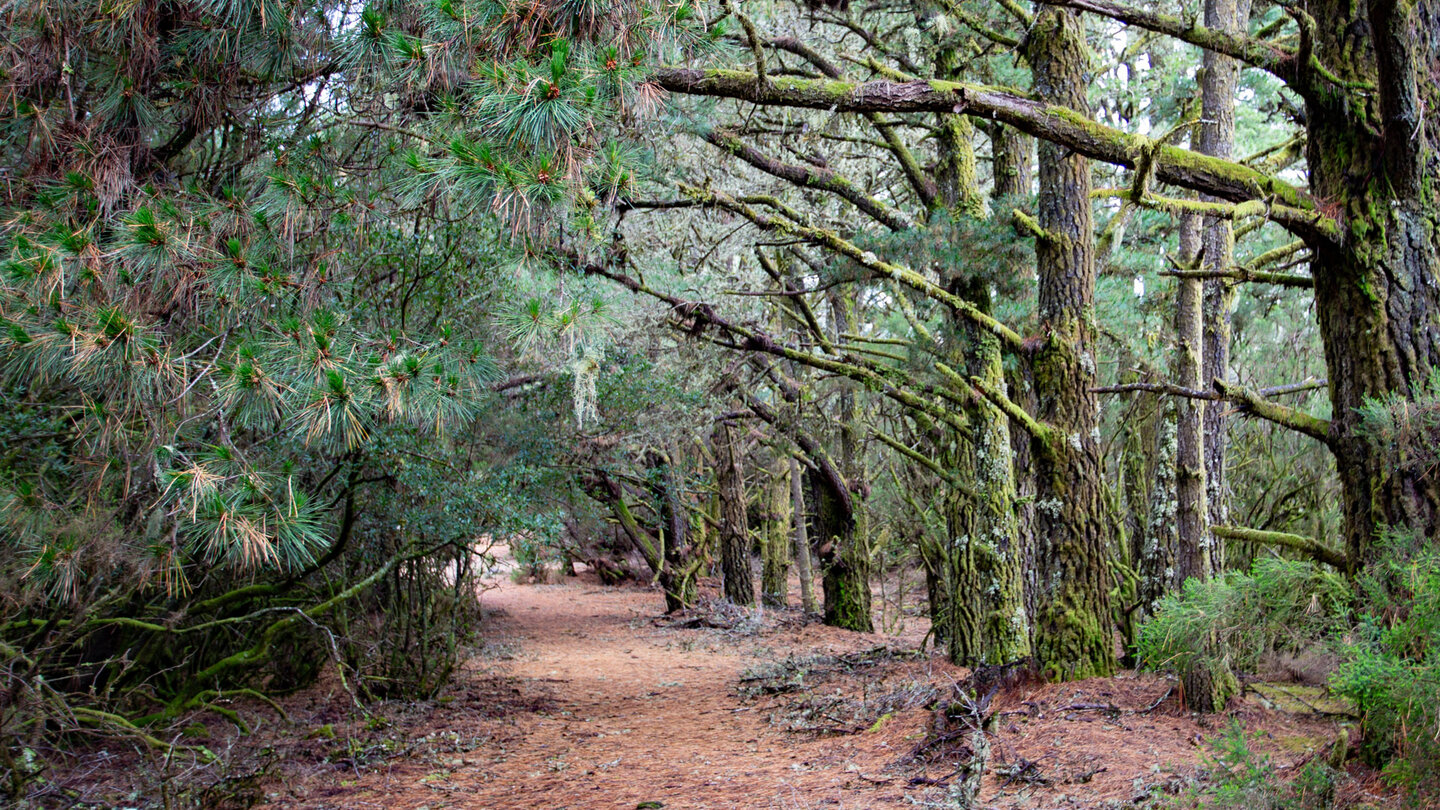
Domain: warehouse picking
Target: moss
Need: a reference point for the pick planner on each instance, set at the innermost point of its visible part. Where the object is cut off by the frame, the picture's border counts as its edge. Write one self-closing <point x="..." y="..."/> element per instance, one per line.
<point x="325" y="732"/>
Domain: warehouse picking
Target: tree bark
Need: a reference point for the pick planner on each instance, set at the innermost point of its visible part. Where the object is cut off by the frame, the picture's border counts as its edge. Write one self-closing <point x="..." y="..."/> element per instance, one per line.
<point x="846" y="590"/>
<point x="736" y="578"/>
<point x="1074" y="625"/>
<point x="1191" y="556"/>
<point x="1217" y="138"/>
<point x="1377" y="292"/>
<point x="775" y="559"/>
<point x="1013" y="155"/>
<point x="677" y="576"/>
<point x="802" y="540"/>
<point x="843" y="545"/>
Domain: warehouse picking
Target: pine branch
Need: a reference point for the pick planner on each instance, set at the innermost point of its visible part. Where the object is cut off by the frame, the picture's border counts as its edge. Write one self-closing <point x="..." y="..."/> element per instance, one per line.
<point x="1041" y="431"/>
<point x="923" y="186"/>
<point x="832" y="241"/>
<point x="1252" y="402"/>
<point x="693" y="316"/>
<point x="1253" y="52"/>
<point x="1248" y="400"/>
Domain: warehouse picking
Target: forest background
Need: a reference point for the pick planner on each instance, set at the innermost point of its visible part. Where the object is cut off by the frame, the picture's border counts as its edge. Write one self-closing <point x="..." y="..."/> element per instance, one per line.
<point x="1121" y="324"/>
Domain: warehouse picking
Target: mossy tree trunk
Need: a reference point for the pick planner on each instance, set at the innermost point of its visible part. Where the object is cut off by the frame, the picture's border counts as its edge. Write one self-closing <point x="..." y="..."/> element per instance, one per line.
<point x="842" y="545"/>
<point x="678" y="574"/>
<point x="990" y="624"/>
<point x="985" y="603"/>
<point x="1013" y="163"/>
<point x="1376" y="157"/>
<point x="775" y="551"/>
<point x="1203" y="328"/>
<point x="1074" y="626"/>
<point x="1217" y="244"/>
<point x="736" y="578"/>
<point x="1177" y="529"/>
<point x="844" y="578"/>
<point x="1192" y="514"/>
<point x="1012" y="159"/>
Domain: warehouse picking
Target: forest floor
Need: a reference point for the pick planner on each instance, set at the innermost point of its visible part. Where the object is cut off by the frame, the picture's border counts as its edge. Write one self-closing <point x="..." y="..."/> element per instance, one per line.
<point x="584" y="696"/>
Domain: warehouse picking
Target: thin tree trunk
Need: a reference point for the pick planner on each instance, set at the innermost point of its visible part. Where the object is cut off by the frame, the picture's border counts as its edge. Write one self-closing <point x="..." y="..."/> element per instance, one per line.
<point x="1192" y="527"/>
<point x="775" y="562"/>
<point x="987" y="580"/>
<point x="737" y="580"/>
<point x="1013" y="155"/>
<point x="1217" y="137"/>
<point x="847" y="603"/>
<point x="986" y="600"/>
<point x="843" y="546"/>
<point x="802" y="539"/>
<point x="677" y="577"/>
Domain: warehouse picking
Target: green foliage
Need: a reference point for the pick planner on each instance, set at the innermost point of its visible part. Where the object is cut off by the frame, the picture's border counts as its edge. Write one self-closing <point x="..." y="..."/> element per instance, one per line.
<point x="1237" y="776"/>
<point x="1392" y="666"/>
<point x="1278" y="606"/>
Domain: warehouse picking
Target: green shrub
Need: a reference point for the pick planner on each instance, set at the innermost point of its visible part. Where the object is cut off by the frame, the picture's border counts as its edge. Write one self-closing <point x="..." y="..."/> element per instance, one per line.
<point x="1240" y="777"/>
<point x="1231" y="621"/>
<point x="1392" y="663"/>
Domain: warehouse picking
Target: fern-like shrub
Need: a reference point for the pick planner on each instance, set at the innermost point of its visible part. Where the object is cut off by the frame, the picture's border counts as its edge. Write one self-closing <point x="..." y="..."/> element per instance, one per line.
<point x="1392" y="664"/>
<point x="1279" y="606"/>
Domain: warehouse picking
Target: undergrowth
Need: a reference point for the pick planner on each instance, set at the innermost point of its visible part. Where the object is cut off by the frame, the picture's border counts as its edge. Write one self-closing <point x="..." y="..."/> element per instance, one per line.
<point x="1239" y="776"/>
<point x="1278" y="606"/>
<point x="1391" y="668"/>
<point x="1385" y="630"/>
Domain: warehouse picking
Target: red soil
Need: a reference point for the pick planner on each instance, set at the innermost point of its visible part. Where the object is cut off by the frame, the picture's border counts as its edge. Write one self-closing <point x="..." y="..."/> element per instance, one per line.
<point x="586" y="698"/>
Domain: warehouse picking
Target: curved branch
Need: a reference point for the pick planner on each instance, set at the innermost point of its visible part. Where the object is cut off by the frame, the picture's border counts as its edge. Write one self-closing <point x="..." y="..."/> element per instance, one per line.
<point x="1253" y="52"/>
<point x="831" y="241"/>
<point x="811" y="177"/>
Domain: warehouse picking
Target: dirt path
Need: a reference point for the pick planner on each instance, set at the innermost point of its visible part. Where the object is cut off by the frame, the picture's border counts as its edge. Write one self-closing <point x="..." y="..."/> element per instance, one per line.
<point x="611" y="710"/>
<point x="585" y="698"/>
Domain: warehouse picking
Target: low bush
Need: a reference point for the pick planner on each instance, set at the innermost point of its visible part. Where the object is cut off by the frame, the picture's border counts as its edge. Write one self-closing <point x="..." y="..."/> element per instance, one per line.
<point x="1391" y="667"/>
<point x="1235" y="621"/>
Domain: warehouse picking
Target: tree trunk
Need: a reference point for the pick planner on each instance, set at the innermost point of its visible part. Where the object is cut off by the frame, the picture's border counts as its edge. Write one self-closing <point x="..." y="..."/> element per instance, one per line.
<point x="1217" y="137"/>
<point x="738" y="582"/>
<point x="677" y="576"/>
<point x="775" y="559"/>
<point x="802" y="539"/>
<point x="1377" y="291"/>
<point x="985" y="603"/>
<point x="937" y="590"/>
<point x="1192" y="528"/>
<point x="844" y="583"/>
<point x="1074" y="626"/>
<point x="987" y="575"/>
<point x="1013" y="156"/>
<point x="844" y="549"/>
<point x="1156" y="563"/>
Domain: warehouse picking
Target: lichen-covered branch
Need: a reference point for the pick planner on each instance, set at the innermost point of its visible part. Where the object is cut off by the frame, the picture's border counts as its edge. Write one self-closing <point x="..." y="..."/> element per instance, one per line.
<point x="1308" y="545"/>
<point x="1253" y="403"/>
<point x="813" y="177"/>
<point x="833" y="242"/>
<point x="1055" y="123"/>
